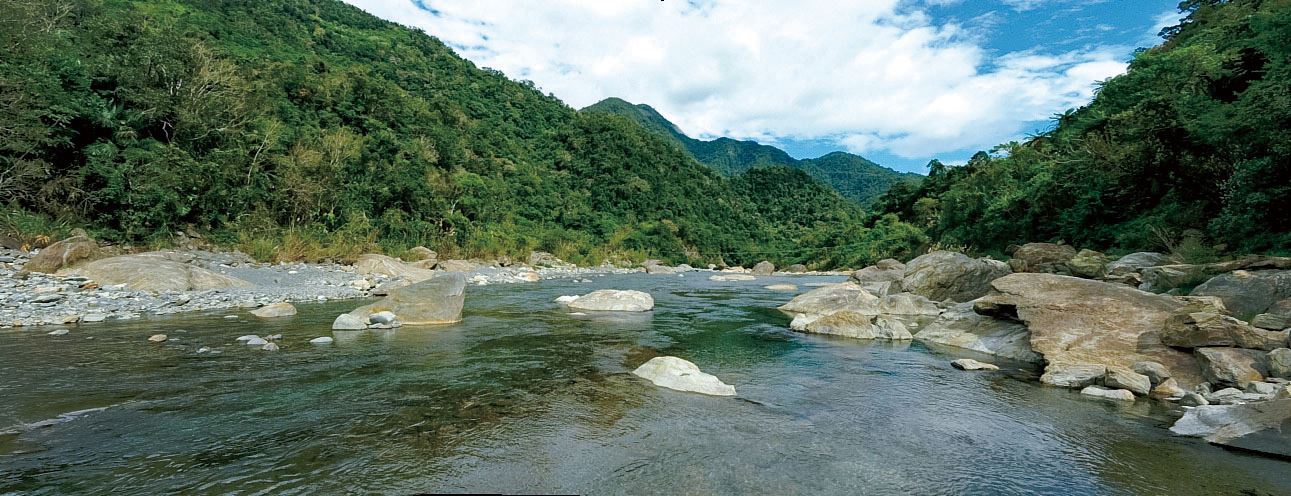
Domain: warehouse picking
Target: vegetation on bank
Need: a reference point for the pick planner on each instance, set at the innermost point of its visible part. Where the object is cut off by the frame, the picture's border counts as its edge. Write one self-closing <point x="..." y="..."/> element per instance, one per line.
<point x="309" y="129"/>
<point x="1189" y="151"/>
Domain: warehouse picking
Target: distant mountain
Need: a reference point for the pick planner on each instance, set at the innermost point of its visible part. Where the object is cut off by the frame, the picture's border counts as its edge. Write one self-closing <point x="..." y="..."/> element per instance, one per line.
<point x="853" y="176"/>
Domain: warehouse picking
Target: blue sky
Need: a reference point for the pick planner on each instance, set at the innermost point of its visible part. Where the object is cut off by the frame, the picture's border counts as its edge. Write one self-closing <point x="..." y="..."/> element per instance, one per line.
<point x="898" y="81"/>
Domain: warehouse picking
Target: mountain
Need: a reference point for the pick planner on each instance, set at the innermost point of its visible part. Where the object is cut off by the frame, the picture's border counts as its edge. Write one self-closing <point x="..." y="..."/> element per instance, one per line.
<point x="1187" y="151"/>
<point x="851" y="175"/>
<point x="309" y="129"/>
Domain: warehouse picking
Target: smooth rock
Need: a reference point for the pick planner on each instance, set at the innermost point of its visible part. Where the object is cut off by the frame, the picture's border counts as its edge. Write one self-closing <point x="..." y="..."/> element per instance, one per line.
<point x="1262" y="388"/>
<point x="944" y="275"/>
<point x="1088" y="264"/>
<point x="1263" y="427"/>
<point x="796" y="269"/>
<point x="970" y="364"/>
<point x="275" y="310"/>
<point x="567" y="299"/>
<point x="256" y="341"/>
<point x="961" y="327"/>
<point x="59" y="332"/>
<point x="1081" y="321"/>
<point x="857" y="325"/>
<point x="1135" y="262"/>
<point x="830" y="299"/>
<point x="1108" y="394"/>
<point x="437" y="300"/>
<point x="347" y="322"/>
<point x="763" y="268"/>
<point x="157" y="338"/>
<point x="1193" y="399"/>
<point x="681" y="375"/>
<point x="1073" y="376"/>
<point x="155" y="271"/>
<point x="94" y="317"/>
<point x="375" y="264"/>
<point x="385" y="317"/>
<point x="247" y="337"/>
<point x="321" y="340"/>
<point x="1232" y="366"/>
<point x="419" y="253"/>
<point x="457" y="266"/>
<point x="732" y="278"/>
<point x="1248" y="293"/>
<point x="613" y="300"/>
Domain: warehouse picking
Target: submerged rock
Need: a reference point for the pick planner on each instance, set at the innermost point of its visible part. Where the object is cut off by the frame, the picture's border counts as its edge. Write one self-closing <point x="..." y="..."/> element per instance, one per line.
<point x="1263" y="427"/>
<point x="613" y="300"/>
<point x="275" y="310"/>
<point x="732" y="278"/>
<point x="59" y="332"/>
<point x="675" y="373"/>
<point x="781" y="287"/>
<point x="321" y="340"/>
<point x="970" y="364"/>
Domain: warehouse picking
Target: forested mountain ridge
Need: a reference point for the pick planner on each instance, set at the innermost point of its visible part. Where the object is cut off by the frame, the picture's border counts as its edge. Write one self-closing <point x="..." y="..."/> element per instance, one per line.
<point x="299" y="129"/>
<point x="1190" y="151"/>
<point x="851" y="175"/>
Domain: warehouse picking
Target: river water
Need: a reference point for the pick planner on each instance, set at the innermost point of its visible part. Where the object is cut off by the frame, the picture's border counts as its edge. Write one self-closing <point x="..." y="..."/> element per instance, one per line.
<point x="523" y="397"/>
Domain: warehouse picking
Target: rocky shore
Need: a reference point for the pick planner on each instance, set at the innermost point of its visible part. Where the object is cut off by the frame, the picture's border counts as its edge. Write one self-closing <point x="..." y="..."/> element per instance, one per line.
<point x="1209" y="339"/>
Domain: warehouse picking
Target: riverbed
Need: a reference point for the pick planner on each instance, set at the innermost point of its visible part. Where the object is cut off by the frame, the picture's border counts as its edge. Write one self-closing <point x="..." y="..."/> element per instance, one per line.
<point x="523" y="397"/>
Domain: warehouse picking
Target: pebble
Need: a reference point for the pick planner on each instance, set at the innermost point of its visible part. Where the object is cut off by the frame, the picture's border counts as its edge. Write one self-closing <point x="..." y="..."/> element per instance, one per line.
<point x="203" y="350"/>
<point x="321" y="340"/>
<point x="247" y="337"/>
<point x="59" y="332"/>
<point x="157" y="338"/>
<point x="256" y="341"/>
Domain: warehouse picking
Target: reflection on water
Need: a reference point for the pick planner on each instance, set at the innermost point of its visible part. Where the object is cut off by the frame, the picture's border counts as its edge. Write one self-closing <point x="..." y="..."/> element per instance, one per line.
<point x="523" y="397"/>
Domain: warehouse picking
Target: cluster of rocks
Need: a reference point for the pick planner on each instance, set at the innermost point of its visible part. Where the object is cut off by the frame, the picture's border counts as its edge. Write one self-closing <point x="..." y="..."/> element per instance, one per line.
<point x="1088" y="321"/>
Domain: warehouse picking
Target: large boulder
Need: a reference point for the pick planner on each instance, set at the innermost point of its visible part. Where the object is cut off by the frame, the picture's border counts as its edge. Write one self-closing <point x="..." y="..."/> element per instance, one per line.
<point x="62" y="254"/>
<point x="1127" y="379"/>
<point x="681" y="375"/>
<point x="544" y="259"/>
<point x="154" y="271"/>
<point x="763" y="268"/>
<point x="437" y="300"/>
<point x="660" y="269"/>
<point x="1080" y="321"/>
<point x="961" y="327"/>
<point x="1248" y="293"/>
<point x="1200" y="329"/>
<point x="1135" y="262"/>
<point x="882" y="278"/>
<point x="1073" y="375"/>
<point x="829" y="299"/>
<point x="1263" y="427"/>
<point x="945" y="275"/>
<point x="375" y="264"/>
<point x="1279" y="362"/>
<point x="796" y="269"/>
<point x="1232" y="366"/>
<point x="1041" y="257"/>
<point x="613" y="300"/>
<point x="420" y="253"/>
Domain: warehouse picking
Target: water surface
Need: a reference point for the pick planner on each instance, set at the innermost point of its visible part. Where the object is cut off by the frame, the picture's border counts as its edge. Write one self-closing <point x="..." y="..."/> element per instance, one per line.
<point x="523" y="397"/>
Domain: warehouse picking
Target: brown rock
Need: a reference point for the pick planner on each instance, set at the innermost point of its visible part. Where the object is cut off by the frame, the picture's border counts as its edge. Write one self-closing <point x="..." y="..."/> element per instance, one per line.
<point x="1199" y="329"/>
<point x="1041" y="257"/>
<point x="63" y="254"/>
<point x="155" y="271"/>
<point x="1232" y="366"/>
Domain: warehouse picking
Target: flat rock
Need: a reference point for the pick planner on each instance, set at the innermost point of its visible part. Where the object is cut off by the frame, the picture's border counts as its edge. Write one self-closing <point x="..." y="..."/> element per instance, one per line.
<point x="970" y="364"/>
<point x="781" y="287"/>
<point x="437" y="300"/>
<point x="1155" y="372"/>
<point x="1127" y="379"/>
<point x="1073" y="375"/>
<point x="1081" y="321"/>
<point x="732" y="278"/>
<point x="155" y="271"/>
<point x="321" y="340"/>
<point x="1107" y="394"/>
<point x="1263" y="427"/>
<point x="1202" y="329"/>
<point x="1135" y="262"/>
<point x="829" y="299"/>
<point x="681" y="375"/>
<point x="275" y="310"/>
<point x="613" y="300"/>
<point x="59" y="332"/>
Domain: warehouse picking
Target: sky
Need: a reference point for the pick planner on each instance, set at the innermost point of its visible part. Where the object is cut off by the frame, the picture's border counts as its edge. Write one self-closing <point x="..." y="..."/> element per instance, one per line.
<point x="900" y="82"/>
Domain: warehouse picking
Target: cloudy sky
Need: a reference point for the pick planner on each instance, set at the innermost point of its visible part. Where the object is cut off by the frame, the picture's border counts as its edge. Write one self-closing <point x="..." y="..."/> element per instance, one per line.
<point x="898" y="81"/>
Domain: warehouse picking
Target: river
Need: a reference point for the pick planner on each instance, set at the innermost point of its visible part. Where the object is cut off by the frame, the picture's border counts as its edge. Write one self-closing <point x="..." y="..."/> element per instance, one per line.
<point x="523" y="397"/>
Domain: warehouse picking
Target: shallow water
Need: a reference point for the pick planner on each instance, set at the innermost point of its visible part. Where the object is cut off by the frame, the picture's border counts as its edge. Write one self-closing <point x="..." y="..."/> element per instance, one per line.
<point x="522" y="397"/>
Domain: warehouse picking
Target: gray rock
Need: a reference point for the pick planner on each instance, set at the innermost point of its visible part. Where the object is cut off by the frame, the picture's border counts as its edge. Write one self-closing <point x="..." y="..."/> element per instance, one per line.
<point x="829" y="299"/>
<point x="681" y="375"/>
<point x="1124" y="378"/>
<point x="944" y="275"/>
<point x="732" y="278"/>
<point x="612" y="300"/>
<point x="1155" y="372"/>
<point x="1261" y="388"/>
<point x="347" y="322"/>
<point x="46" y="298"/>
<point x="1137" y="261"/>
<point x="1271" y="321"/>
<point x="970" y="364"/>
<point x="796" y="269"/>
<point x="1279" y="362"/>
<point x="246" y="337"/>
<point x="961" y="327"/>
<point x="256" y="341"/>
<point x="1107" y="394"/>
<point x="155" y="271"/>
<point x="1193" y="399"/>
<point x="381" y="318"/>
<point x="270" y="347"/>
<point x="321" y="340"/>
<point x="1248" y="293"/>
<point x="1168" y="389"/>
<point x="437" y="300"/>
<point x="1073" y="376"/>
<point x="763" y="268"/>
<point x="59" y="332"/>
<point x="1263" y="427"/>
<point x="1232" y="366"/>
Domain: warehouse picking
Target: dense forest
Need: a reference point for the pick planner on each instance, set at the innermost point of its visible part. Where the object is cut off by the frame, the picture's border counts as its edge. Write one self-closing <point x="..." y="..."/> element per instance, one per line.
<point x="303" y="129"/>
<point x="1189" y="151"/>
<point x="853" y="176"/>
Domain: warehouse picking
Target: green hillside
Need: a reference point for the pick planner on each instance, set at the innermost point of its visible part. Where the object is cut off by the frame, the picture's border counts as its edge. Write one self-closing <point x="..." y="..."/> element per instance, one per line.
<point x="310" y="129"/>
<point x="851" y="175"/>
<point x="1188" y="151"/>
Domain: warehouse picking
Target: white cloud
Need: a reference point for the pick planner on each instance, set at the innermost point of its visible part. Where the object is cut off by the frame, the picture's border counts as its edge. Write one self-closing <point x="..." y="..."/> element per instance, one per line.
<point x="871" y="75"/>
